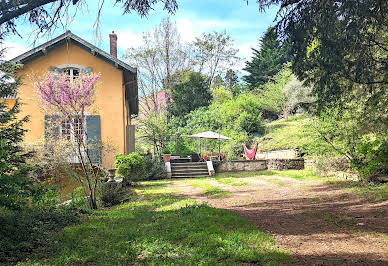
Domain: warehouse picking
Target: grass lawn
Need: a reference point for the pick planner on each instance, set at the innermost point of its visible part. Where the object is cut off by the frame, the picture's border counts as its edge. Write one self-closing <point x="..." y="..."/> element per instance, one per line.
<point x="207" y="188"/>
<point x="156" y="227"/>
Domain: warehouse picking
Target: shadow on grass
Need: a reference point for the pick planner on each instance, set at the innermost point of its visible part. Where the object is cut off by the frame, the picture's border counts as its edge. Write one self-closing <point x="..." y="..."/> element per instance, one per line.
<point x="159" y="228"/>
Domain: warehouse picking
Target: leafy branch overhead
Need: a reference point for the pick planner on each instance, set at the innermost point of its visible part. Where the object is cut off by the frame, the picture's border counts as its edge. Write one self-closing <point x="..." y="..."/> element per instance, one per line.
<point x="48" y="13"/>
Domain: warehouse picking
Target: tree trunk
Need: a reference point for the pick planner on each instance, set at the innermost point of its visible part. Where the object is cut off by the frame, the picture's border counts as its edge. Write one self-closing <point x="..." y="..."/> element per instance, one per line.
<point x="92" y="200"/>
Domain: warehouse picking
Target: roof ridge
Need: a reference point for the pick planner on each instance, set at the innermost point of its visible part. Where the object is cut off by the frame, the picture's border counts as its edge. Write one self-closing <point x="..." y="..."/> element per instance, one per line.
<point x="117" y="62"/>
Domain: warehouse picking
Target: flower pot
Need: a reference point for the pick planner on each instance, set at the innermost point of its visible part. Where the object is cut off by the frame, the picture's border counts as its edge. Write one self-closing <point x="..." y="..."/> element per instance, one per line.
<point x="112" y="173"/>
<point x="166" y="157"/>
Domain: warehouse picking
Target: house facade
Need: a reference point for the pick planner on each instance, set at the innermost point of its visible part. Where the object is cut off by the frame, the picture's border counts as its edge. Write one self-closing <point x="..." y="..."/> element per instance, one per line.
<point x="116" y="92"/>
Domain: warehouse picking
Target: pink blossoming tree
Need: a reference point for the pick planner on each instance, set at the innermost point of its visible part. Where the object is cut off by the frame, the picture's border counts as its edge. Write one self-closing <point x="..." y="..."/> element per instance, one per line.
<point x="68" y="98"/>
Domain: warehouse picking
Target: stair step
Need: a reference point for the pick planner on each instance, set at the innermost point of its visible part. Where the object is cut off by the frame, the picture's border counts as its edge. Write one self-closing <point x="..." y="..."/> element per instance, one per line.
<point x="188" y="170"/>
<point x="188" y="164"/>
<point x="188" y="176"/>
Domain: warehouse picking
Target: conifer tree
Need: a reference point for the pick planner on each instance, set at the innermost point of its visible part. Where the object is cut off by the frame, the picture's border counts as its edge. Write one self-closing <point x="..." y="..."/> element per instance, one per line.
<point x="14" y="182"/>
<point x="267" y="61"/>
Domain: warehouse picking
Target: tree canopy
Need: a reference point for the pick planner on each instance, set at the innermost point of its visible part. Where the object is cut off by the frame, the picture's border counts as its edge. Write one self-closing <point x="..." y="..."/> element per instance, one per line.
<point x="267" y="61"/>
<point x="190" y="93"/>
<point x="43" y="15"/>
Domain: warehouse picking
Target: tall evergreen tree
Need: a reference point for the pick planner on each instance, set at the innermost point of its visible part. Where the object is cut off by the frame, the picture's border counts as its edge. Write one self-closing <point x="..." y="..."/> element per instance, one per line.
<point x="14" y="183"/>
<point x="267" y="61"/>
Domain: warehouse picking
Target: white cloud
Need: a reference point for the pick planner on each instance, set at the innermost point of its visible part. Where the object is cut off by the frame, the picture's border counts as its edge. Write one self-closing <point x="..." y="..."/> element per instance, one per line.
<point x="12" y="50"/>
<point x="245" y="54"/>
<point x="127" y="39"/>
<point x="185" y="29"/>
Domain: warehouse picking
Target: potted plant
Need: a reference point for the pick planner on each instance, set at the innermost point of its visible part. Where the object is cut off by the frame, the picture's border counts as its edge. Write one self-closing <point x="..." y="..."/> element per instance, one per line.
<point x="166" y="155"/>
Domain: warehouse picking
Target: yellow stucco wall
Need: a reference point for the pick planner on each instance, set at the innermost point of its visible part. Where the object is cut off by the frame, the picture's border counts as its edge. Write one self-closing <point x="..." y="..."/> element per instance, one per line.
<point x="109" y="96"/>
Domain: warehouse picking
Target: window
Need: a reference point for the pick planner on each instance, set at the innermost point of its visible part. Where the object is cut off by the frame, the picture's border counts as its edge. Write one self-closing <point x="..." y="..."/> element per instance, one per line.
<point x="73" y="129"/>
<point x="72" y="72"/>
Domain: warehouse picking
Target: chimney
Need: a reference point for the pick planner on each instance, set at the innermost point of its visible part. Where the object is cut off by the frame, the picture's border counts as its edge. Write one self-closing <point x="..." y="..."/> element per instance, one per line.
<point x="113" y="44"/>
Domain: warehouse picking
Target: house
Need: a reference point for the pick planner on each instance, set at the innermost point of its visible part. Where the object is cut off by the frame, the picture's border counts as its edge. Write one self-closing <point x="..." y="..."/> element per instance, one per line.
<point x="116" y="94"/>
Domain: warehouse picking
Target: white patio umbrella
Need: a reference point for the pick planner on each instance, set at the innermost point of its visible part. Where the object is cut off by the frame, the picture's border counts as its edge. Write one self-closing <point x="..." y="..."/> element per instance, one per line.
<point x="209" y="135"/>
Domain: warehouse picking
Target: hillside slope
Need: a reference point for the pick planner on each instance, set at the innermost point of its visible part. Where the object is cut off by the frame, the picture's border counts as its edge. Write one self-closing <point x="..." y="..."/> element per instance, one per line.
<point x="296" y="133"/>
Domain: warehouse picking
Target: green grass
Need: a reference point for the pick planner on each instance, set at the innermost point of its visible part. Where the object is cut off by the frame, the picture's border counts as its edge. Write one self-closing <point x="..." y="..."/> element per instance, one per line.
<point x="231" y="181"/>
<point x="297" y="132"/>
<point x="297" y="174"/>
<point x="370" y="190"/>
<point x="338" y="220"/>
<point x="315" y="199"/>
<point x="207" y="188"/>
<point x="156" y="227"/>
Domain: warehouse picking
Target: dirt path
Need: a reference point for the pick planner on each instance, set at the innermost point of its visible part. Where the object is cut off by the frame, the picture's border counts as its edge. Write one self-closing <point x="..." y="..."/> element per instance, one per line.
<point x="318" y="223"/>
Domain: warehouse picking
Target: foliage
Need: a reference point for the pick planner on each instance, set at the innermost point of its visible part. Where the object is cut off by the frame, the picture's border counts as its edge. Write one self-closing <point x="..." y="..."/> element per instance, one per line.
<point x="181" y="147"/>
<point x="365" y="148"/>
<point x="68" y="98"/>
<point x="189" y="93"/>
<point x="155" y="169"/>
<point x="221" y="95"/>
<point x="165" y="229"/>
<point x="45" y="17"/>
<point x="130" y="167"/>
<point x="214" y="53"/>
<point x="267" y="61"/>
<point x="158" y="60"/>
<point x="346" y="62"/>
<point x="50" y="158"/>
<point x="231" y="81"/>
<point x="15" y="186"/>
<point x="30" y="229"/>
<point x="296" y="133"/>
<point x="297" y="96"/>
<point x="238" y="118"/>
<point x="110" y="194"/>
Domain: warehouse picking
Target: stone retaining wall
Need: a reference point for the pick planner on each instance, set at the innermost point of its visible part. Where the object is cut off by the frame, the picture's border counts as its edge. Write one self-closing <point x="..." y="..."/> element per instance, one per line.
<point x="279" y="154"/>
<point x="283" y="164"/>
<point x="257" y="165"/>
<point x="240" y="165"/>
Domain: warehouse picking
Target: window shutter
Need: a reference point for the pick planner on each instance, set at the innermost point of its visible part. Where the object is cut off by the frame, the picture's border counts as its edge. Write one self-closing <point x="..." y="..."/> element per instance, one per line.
<point x="93" y="131"/>
<point x="55" y="69"/>
<point x="51" y="129"/>
<point x="87" y="70"/>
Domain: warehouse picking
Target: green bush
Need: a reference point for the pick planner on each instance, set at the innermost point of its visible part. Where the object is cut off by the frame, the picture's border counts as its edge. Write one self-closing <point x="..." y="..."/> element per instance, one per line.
<point x="154" y="169"/>
<point x="111" y="193"/>
<point x="130" y="167"/>
<point x="24" y="231"/>
<point x="183" y="148"/>
<point x="371" y="157"/>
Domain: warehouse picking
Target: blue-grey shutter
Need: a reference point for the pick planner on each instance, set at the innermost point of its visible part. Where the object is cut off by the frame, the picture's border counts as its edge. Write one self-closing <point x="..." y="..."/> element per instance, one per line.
<point x="51" y="128"/>
<point x="55" y="69"/>
<point x="93" y="131"/>
<point x="87" y="70"/>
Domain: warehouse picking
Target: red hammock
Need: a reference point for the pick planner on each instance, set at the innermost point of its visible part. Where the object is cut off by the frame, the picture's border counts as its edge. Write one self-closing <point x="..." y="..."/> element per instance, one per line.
<point x="250" y="154"/>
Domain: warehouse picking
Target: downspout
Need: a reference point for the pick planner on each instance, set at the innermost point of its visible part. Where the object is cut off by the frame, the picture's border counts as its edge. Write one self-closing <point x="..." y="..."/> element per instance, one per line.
<point x="124" y="119"/>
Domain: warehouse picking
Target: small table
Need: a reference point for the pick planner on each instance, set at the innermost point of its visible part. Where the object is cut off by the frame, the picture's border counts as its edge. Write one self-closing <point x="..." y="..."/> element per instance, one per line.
<point x="214" y="155"/>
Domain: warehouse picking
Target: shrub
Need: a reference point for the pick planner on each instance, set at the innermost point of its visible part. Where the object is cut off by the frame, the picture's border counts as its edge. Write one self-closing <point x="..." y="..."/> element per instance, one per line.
<point x="24" y="231"/>
<point x="130" y="167"/>
<point x="111" y="194"/>
<point x="154" y="169"/>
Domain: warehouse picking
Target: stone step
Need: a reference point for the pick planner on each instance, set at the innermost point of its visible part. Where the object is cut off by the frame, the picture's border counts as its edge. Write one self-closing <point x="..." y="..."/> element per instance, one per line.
<point x="189" y="170"/>
<point x="189" y="164"/>
<point x="188" y="176"/>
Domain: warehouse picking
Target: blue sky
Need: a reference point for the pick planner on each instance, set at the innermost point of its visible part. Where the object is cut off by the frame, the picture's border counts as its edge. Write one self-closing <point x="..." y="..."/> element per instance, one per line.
<point x="244" y="23"/>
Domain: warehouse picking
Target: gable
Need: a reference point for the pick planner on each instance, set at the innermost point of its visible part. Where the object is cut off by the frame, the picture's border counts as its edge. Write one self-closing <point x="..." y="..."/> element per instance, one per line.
<point x="69" y="49"/>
